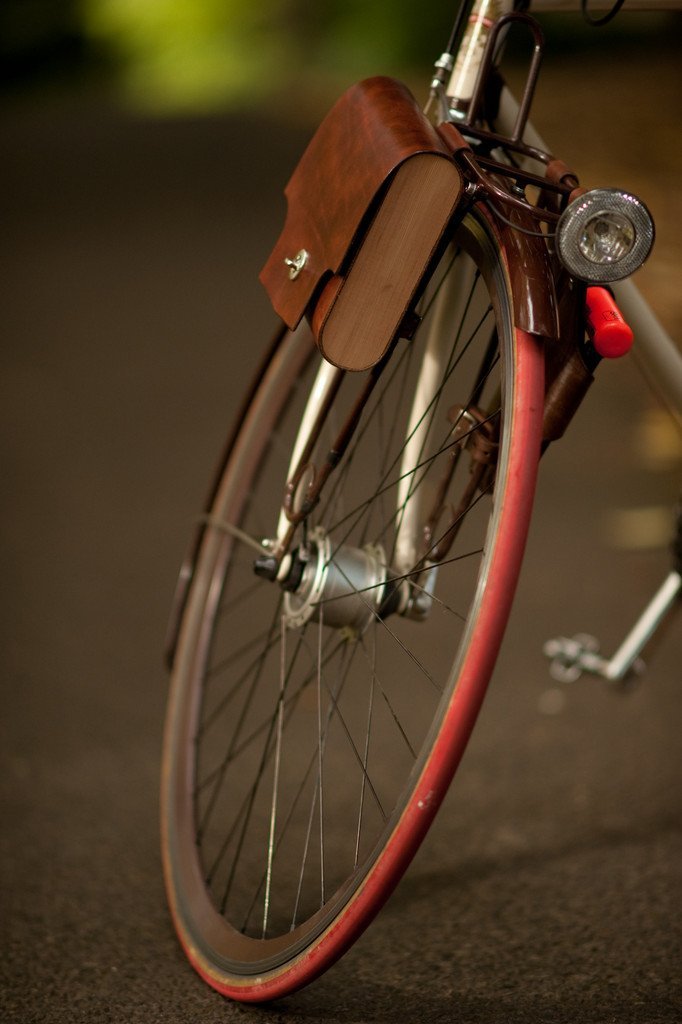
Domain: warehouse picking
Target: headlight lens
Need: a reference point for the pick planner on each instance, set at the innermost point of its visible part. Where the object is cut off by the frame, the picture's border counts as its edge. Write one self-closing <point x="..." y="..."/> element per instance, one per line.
<point x="604" y="235"/>
<point x="607" y="237"/>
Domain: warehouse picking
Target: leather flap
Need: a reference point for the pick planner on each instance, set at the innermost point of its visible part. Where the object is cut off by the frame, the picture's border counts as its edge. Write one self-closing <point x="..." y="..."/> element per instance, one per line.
<point x="374" y="127"/>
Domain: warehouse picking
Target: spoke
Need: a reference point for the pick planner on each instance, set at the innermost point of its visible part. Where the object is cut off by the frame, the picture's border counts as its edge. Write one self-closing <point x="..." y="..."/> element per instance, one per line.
<point x="382" y="622"/>
<point x="386" y="444"/>
<point x="452" y="364"/>
<point x="425" y="463"/>
<point x="225" y="663"/>
<point x="289" y="704"/>
<point x="265" y="756"/>
<point x="337" y="485"/>
<point x="434" y="404"/>
<point x="278" y="843"/>
<point x="306" y="847"/>
<point x="246" y="807"/>
<point x="455" y="256"/>
<point x="375" y="679"/>
<point x="405" y="358"/>
<point x="368" y="731"/>
<point x="258" y="665"/>
<point x="349" y="655"/>
<point x="381" y="452"/>
<point x="275" y="783"/>
<point x="311" y="763"/>
<point x="415" y="572"/>
<point x="360" y="510"/>
<point x="425" y="466"/>
<point x="490" y="360"/>
<point x="239" y="599"/>
<point x="319" y="754"/>
<point x="334" y="709"/>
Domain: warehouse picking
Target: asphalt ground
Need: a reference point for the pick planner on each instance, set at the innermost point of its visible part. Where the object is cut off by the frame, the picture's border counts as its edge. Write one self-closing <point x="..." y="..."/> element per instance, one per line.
<point x="549" y="887"/>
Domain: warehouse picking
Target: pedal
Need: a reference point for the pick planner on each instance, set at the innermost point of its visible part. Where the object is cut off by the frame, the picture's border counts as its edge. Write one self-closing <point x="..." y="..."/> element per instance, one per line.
<point x="570" y="658"/>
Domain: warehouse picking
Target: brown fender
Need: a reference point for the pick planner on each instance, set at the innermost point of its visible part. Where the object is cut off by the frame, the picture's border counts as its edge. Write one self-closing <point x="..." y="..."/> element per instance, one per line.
<point x="533" y="291"/>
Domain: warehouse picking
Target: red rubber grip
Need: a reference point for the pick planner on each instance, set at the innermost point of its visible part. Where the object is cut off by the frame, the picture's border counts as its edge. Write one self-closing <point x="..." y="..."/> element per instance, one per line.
<point x="608" y="332"/>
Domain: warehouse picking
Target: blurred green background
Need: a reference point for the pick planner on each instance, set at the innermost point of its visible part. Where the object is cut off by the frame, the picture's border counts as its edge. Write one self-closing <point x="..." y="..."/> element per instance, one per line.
<point x="203" y="56"/>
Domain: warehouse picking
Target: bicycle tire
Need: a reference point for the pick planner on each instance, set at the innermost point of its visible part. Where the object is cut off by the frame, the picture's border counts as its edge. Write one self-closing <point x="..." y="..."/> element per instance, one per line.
<point x="212" y="900"/>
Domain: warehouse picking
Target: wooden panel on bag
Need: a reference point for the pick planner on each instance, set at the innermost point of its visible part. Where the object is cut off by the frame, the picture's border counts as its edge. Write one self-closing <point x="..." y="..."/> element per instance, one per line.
<point x="365" y="314"/>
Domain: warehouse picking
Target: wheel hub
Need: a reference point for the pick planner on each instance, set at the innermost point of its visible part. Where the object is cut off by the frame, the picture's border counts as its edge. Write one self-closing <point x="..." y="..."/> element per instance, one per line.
<point x="342" y="587"/>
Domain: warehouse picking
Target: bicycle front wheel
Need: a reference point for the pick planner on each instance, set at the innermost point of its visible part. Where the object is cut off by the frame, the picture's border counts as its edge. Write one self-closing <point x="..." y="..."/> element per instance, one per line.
<point x="313" y="730"/>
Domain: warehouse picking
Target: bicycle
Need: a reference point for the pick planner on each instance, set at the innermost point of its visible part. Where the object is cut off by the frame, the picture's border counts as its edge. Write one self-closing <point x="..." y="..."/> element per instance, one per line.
<point x="342" y="605"/>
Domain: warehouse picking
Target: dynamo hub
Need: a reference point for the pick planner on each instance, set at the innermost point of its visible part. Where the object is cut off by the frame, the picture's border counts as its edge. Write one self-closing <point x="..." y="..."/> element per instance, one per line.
<point x="344" y="588"/>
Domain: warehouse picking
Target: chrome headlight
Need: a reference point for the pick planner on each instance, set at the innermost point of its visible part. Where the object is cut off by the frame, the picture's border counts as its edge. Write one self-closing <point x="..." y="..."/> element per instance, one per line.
<point x="604" y="235"/>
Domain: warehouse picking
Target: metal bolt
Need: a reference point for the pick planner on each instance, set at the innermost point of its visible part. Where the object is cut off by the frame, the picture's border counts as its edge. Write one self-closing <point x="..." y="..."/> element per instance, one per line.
<point x="296" y="264"/>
